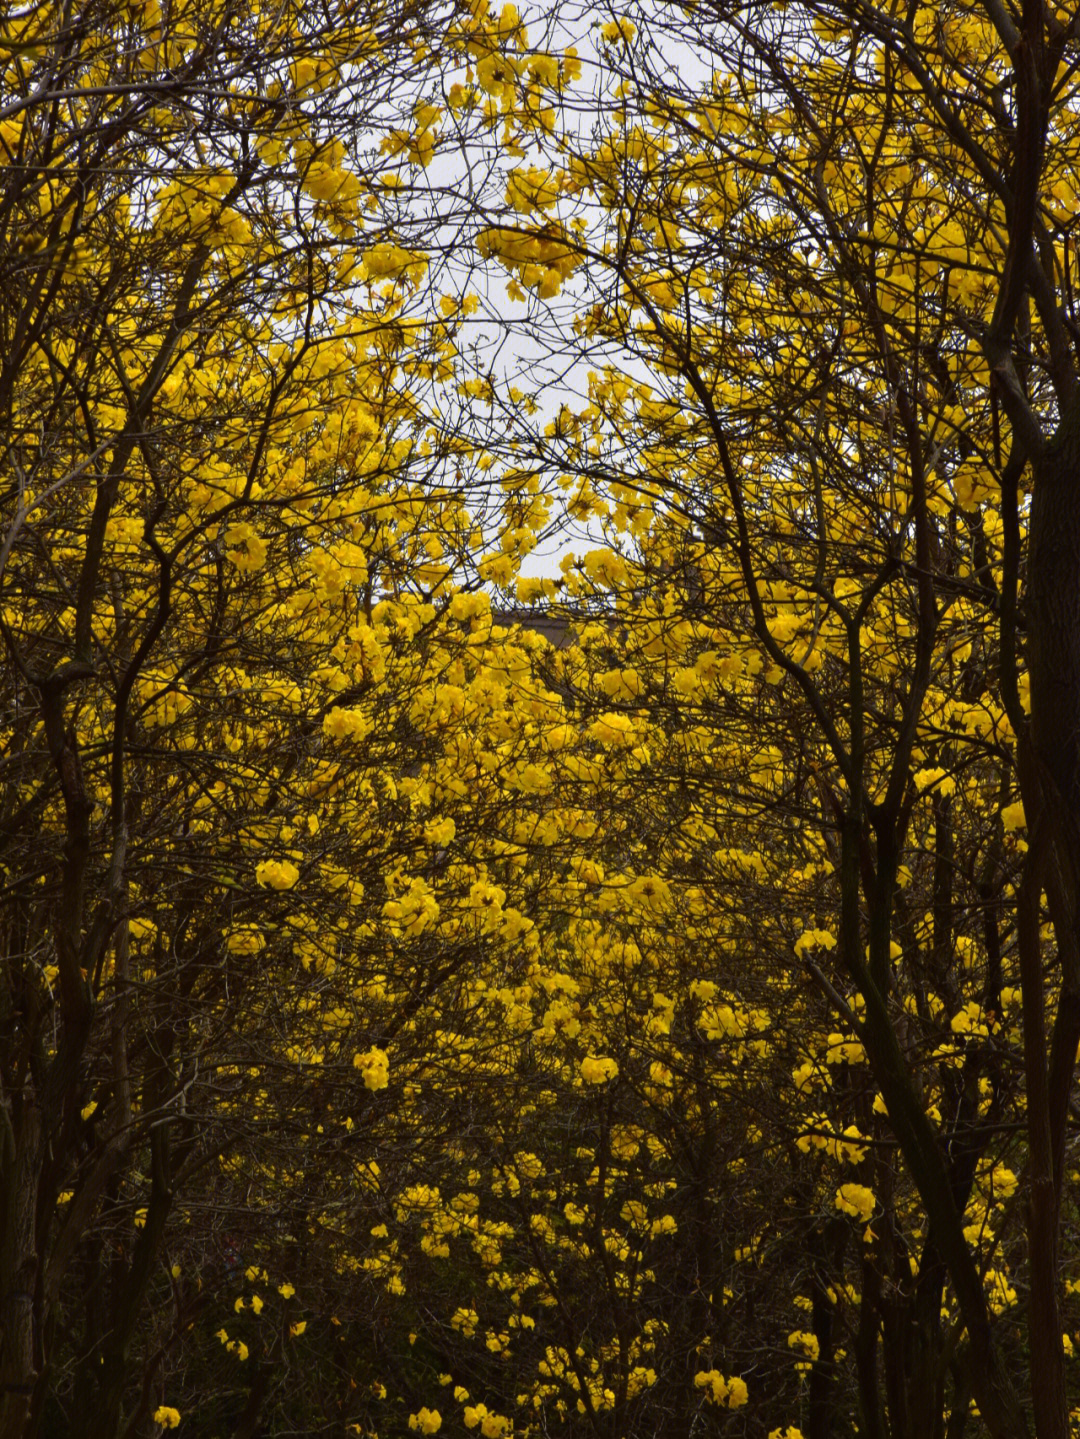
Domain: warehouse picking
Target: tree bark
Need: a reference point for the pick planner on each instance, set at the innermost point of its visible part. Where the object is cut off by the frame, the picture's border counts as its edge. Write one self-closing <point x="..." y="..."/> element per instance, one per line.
<point x="19" y="1266"/>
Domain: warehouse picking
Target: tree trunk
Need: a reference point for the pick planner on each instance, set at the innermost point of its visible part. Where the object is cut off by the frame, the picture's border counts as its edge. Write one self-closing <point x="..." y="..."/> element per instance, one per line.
<point x="1052" y="795"/>
<point x="1053" y="609"/>
<point x="19" y="1267"/>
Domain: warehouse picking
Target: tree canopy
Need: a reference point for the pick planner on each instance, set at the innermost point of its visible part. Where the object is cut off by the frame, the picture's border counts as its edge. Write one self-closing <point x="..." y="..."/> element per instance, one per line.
<point x="444" y="991"/>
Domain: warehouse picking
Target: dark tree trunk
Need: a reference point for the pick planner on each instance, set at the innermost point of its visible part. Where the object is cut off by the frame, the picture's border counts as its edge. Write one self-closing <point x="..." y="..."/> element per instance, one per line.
<point x="1053" y="609"/>
<point x="1051" y="784"/>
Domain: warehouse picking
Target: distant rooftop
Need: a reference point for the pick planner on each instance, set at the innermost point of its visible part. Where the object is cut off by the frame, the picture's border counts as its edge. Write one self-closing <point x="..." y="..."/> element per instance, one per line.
<point x="555" y="629"/>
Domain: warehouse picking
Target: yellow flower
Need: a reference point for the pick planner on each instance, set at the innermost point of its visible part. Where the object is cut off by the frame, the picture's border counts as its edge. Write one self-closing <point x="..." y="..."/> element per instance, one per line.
<point x="439" y="832"/>
<point x="935" y="779"/>
<point x="391" y="262"/>
<point x="613" y="729"/>
<point x="856" y="1200"/>
<point x="597" y="1070"/>
<point x="375" y="1067"/>
<point x="815" y="939"/>
<point x="618" y="30"/>
<point x="276" y="874"/>
<point x="648" y="892"/>
<point x="245" y="939"/>
<point x="346" y="724"/>
<point x="427" y="1421"/>
<point x="731" y="1393"/>
<point x="804" y="1343"/>
<point x="413" y="912"/>
<point x="167" y="1417"/>
<point x="737" y="1392"/>
<point x="531" y="189"/>
<point x="1004" y="1182"/>
<point x="492" y="1426"/>
<point x="1013" y="817"/>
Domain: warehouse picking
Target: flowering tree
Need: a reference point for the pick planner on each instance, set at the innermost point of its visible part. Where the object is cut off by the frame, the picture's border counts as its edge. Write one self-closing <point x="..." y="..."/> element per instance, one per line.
<point x="829" y="327"/>
<point x="407" y="1023"/>
<point x="237" y="499"/>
